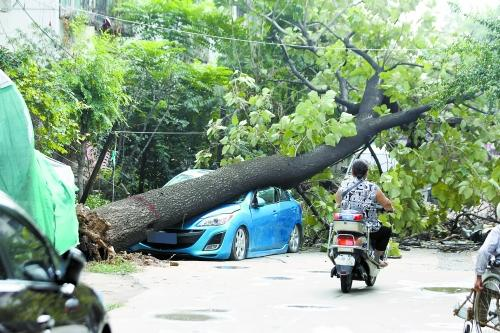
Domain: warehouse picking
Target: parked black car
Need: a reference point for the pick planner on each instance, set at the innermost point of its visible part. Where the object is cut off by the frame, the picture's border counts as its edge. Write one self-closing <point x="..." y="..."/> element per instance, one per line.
<point x="39" y="290"/>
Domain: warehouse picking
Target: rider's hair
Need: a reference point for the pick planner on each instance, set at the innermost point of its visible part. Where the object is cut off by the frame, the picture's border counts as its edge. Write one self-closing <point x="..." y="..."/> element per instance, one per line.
<point x="359" y="168"/>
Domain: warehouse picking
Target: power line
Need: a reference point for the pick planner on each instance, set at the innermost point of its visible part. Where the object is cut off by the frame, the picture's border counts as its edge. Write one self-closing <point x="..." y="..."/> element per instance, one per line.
<point x="164" y="133"/>
<point x="262" y="42"/>
<point x="201" y="34"/>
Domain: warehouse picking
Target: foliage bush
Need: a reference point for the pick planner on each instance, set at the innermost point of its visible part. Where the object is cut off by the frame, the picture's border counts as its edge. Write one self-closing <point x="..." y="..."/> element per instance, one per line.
<point x="96" y="200"/>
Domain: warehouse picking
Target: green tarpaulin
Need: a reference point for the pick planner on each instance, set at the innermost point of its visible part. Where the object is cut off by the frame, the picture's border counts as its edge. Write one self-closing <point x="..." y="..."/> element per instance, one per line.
<point x="43" y="187"/>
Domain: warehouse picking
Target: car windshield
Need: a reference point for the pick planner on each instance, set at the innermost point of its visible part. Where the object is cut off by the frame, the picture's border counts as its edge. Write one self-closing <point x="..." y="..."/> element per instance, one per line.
<point x="189" y="174"/>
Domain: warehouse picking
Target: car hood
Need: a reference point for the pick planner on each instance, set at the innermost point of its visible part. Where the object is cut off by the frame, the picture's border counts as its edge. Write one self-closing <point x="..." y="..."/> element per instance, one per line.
<point x="222" y="209"/>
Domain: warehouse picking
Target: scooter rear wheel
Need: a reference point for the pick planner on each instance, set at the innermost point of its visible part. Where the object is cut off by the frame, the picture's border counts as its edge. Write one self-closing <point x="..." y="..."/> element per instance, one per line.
<point x="346" y="283"/>
<point x="370" y="281"/>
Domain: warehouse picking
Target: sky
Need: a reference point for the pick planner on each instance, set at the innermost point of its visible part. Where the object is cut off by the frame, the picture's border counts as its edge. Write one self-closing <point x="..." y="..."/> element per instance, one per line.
<point x="445" y="15"/>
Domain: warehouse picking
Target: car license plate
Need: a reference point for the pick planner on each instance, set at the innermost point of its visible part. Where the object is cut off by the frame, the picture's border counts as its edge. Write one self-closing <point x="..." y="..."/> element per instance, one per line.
<point x="344" y="260"/>
<point x="162" y="237"/>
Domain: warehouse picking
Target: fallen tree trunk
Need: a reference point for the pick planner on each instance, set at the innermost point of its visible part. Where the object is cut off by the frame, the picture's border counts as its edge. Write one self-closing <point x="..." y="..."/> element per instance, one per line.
<point x="158" y="209"/>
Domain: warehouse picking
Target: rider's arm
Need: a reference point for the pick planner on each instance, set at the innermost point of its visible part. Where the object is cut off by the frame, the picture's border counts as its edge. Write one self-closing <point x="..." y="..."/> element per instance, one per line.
<point x="383" y="201"/>
<point x="338" y="197"/>
<point x="488" y="249"/>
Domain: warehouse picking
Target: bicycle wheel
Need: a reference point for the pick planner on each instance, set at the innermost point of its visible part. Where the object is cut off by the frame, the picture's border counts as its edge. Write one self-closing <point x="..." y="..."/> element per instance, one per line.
<point x="486" y="306"/>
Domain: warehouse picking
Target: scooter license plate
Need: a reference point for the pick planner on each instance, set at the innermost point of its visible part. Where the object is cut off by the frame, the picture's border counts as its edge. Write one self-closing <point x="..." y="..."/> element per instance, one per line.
<point x="345" y="260"/>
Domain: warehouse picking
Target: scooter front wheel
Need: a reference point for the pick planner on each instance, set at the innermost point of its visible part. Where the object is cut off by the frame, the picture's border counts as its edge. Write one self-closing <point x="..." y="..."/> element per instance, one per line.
<point x="370" y="281"/>
<point x="346" y="283"/>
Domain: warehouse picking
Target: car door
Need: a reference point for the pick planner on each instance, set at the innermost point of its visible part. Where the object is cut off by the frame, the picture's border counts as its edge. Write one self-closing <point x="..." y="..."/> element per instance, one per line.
<point x="264" y="218"/>
<point x="287" y="216"/>
<point x="32" y="300"/>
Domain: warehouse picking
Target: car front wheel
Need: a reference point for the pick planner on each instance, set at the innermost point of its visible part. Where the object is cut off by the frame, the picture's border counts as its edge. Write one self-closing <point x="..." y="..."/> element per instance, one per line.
<point x="239" y="248"/>
<point x="294" y="242"/>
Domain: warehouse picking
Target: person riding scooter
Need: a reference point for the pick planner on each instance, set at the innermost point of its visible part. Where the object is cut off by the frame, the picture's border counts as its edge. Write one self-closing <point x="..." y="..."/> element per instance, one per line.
<point x="359" y="194"/>
<point x="490" y="248"/>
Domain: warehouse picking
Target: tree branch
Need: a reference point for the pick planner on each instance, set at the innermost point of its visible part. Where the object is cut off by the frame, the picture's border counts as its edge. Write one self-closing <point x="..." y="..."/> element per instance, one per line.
<point x="375" y="157"/>
<point x="342" y="87"/>
<point x="310" y="205"/>
<point x="411" y="115"/>
<point x="474" y="108"/>
<point x="274" y="23"/>
<point x="362" y="53"/>
<point x="310" y="44"/>
<point x="402" y="64"/>
<point x="308" y="38"/>
<point x="351" y="86"/>
<point x="335" y="18"/>
<point x="372" y="97"/>
<point x="352" y="108"/>
<point x="295" y="71"/>
<point x="399" y="118"/>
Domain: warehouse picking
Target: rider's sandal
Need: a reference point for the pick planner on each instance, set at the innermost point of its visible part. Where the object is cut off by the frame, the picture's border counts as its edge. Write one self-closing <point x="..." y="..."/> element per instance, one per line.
<point x="382" y="263"/>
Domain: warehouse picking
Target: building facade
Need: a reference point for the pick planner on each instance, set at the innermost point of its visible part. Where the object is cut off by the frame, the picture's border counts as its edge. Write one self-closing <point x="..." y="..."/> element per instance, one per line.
<point x="27" y="15"/>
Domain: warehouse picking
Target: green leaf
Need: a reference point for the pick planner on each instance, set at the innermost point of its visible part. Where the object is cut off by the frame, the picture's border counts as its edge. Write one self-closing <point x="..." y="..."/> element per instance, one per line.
<point x="346" y="117"/>
<point x="234" y="119"/>
<point x="331" y="139"/>
<point x="467" y="192"/>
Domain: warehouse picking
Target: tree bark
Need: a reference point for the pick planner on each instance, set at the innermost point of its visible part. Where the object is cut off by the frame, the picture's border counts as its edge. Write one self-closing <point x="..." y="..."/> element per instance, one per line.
<point x="80" y="179"/>
<point x="97" y="167"/>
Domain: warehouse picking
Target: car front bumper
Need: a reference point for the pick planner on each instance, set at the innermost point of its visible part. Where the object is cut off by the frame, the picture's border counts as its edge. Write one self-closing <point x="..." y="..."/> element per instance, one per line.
<point x="210" y="242"/>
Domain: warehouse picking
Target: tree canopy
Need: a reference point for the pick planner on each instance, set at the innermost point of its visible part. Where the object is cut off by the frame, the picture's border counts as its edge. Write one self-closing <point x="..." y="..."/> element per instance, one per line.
<point x="250" y="79"/>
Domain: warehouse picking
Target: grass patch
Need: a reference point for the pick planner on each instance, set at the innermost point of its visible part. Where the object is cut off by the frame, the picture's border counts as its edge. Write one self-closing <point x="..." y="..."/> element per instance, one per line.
<point x="113" y="306"/>
<point x="117" y="265"/>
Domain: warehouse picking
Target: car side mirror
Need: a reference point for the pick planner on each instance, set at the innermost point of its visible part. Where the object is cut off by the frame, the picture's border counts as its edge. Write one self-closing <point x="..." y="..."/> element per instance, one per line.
<point x="74" y="262"/>
<point x="35" y="271"/>
<point x="258" y="202"/>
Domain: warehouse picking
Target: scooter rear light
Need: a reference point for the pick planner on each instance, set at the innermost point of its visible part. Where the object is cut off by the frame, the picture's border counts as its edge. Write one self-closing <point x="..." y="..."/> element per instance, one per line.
<point x="345" y="240"/>
<point x="347" y="217"/>
<point x="358" y="217"/>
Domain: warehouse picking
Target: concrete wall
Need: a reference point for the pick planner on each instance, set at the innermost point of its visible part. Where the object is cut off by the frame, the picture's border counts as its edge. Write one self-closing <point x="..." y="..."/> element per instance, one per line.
<point x="13" y="17"/>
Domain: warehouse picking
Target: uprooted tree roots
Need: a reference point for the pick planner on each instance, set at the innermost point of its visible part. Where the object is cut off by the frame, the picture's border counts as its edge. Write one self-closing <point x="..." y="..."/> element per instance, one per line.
<point x="93" y="235"/>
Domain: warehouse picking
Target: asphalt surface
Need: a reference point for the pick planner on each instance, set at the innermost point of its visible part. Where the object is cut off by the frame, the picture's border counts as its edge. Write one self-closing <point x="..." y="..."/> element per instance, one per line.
<point x="288" y="293"/>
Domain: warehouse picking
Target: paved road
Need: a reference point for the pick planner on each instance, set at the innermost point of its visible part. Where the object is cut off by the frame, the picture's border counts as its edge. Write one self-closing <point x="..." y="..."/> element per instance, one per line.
<point x="288" y="293"/>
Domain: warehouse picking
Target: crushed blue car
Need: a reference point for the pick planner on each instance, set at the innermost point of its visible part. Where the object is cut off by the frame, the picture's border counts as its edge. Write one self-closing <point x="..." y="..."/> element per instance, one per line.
<point x="259" y="223"/>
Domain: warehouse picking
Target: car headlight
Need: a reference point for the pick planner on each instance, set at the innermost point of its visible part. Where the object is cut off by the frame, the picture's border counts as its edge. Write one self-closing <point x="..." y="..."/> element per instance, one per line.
<point x="215" y="220"/>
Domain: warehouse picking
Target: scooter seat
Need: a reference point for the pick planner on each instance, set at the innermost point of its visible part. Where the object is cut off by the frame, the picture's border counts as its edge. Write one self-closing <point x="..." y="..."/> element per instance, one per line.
<point x="350" y="211"/>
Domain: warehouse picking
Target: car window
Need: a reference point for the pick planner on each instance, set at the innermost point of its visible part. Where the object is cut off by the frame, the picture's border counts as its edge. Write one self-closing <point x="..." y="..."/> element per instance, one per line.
<point x="283" y="195"/>
<point x="178" y="179"/>
<point x="267" y="195"/>
<point x="24" y="252"/>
